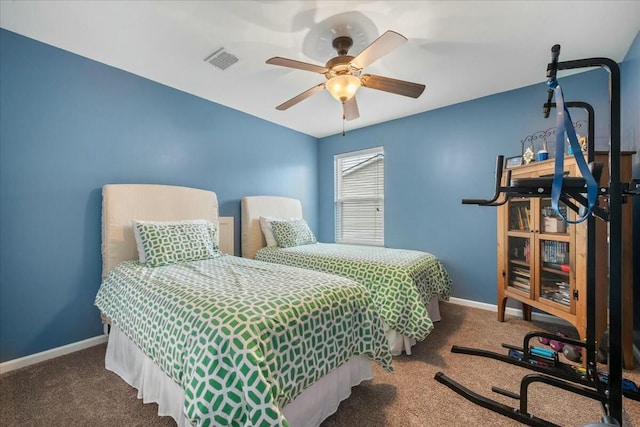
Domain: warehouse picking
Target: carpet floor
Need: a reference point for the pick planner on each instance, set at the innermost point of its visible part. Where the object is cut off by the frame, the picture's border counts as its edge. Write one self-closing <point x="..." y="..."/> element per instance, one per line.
<point x="76" y="389"/>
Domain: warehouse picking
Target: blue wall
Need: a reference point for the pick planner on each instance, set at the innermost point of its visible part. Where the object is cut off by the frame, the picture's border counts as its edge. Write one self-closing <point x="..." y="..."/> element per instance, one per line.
<point x="435" y="159"/>
<point x="69" y="125"/>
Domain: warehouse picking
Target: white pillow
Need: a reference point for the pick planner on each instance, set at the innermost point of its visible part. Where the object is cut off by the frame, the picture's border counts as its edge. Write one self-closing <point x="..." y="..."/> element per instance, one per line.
<point x="265" y="225"/>
<point x="136" y="232"/>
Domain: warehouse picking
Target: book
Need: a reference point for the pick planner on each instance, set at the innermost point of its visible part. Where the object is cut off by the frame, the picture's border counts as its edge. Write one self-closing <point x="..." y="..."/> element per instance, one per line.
<point x="565" y="268"/>
<point x="520" y="286"/>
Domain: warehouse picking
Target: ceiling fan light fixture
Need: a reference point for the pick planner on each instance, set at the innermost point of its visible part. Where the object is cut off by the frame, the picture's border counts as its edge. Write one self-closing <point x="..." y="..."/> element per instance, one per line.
<point x="343" y="87"/>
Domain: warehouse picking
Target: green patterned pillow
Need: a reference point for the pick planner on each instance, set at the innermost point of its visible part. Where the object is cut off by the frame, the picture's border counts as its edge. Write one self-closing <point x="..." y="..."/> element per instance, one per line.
<point x="164" y="243"/>
<point x="292" y="233"/>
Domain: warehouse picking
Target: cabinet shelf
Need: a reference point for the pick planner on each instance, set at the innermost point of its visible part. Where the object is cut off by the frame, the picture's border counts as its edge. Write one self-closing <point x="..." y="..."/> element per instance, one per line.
<point x="557" y="304"/>
<point x="519" y="233"/>
<point x="558" y="237"/>
<point x="555" y="271"/>
<point x="523" y="290"/>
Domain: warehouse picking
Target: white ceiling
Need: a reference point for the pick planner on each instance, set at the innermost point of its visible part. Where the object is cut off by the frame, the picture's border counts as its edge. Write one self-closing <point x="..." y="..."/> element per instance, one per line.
<point x="460" y="50"/>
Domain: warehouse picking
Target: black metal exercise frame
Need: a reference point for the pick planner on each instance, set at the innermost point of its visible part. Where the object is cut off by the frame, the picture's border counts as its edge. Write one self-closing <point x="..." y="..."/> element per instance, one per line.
<point x="563" y="375"/>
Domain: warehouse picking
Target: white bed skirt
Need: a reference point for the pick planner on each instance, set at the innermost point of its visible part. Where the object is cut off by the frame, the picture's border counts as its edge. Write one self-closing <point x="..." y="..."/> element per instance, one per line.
<point x="309" y="409"/>
<point x="399" y="343"/>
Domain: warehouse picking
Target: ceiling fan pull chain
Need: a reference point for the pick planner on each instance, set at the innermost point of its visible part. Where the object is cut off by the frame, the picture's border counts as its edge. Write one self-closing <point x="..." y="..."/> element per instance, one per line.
<point x="344" y="118"/>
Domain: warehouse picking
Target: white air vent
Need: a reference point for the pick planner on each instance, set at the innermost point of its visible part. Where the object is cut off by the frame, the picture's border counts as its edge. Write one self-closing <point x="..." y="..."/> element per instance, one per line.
<point x="221" y="59"/>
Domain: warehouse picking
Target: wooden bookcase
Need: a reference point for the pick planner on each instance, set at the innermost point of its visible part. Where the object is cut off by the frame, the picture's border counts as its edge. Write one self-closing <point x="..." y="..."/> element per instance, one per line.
<point x="542" y="260"/>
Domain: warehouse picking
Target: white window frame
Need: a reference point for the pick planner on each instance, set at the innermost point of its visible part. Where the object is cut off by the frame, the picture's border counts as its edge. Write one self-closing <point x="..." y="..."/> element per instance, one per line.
<point x="375" y="235"/>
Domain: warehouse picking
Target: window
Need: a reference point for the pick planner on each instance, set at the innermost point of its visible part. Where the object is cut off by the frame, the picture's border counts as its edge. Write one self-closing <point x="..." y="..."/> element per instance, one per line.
<point x="359" y="194"/>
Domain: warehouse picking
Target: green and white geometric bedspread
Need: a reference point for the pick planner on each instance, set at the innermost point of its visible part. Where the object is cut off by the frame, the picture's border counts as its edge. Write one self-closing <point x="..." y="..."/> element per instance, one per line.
<point x="402" y="282"/>
<point x="243" y="338"/>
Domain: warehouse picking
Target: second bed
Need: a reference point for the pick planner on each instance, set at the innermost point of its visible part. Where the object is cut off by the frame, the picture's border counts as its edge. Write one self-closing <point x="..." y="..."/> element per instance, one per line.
<point x="406" y="285"/>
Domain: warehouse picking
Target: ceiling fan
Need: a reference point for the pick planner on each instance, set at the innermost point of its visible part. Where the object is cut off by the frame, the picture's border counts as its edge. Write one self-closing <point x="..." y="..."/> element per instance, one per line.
<point x="343" y="73"/>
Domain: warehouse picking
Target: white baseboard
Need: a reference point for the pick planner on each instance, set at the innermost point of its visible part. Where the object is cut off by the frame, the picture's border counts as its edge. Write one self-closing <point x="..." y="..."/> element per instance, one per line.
<point x="32" y="359"/>
<point x="540" y="317"/>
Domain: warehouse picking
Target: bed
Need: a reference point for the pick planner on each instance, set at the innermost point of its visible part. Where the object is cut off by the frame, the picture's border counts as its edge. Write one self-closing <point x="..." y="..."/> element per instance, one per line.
<point x="222" y="340"/>
<point x="406" y="285"/>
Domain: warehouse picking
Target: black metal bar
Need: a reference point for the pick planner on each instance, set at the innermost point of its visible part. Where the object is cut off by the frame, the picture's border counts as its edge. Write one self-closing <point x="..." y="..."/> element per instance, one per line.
<point x="587" y="62"/>
<point x="497" y="192"/>
<point x="552" y="70"/>
<point x="615" y="231"/>
<point x="491" y="404"/>
<point x="615" y="251"/>
<point x="504" y="392"/>
<point x="592" y="367"/>
<point x="527" y="380"/>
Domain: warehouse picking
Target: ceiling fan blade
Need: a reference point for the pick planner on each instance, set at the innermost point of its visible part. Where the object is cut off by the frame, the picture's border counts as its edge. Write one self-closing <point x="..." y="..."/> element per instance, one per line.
<point x="292" y="63"/>
<point x="399" y="87"/>
<point x="304" y="95"/>
<point x="350" y="108"/>
<point x="379" y="48"/>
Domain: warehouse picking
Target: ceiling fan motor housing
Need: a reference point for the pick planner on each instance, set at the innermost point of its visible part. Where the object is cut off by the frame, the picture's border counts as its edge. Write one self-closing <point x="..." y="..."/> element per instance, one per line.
<point x="340" y="65"/>
<point x="342" y="44"/>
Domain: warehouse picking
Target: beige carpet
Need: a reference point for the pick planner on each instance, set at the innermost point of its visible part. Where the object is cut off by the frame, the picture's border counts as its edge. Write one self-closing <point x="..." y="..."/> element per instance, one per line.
<point x="76" y="390"/>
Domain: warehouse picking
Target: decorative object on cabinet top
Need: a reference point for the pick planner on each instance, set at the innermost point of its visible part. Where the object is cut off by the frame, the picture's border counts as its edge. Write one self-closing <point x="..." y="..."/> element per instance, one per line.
<point x="546" y="139"/>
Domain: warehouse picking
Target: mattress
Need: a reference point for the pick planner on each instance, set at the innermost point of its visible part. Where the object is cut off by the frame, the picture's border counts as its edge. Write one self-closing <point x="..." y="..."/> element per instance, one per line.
<point x="242" y="338"/>
<point x="402" y="282"/>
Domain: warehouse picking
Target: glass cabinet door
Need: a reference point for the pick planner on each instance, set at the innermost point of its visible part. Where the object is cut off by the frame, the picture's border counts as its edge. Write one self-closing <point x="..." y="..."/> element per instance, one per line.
<point x="519" y="245"/>
<point x="555" y="269"/>
<point x="519" y="264"/>
<point x="520" y="215"/>
<point x="550" y="221"/>
<point x="554" y="260"/>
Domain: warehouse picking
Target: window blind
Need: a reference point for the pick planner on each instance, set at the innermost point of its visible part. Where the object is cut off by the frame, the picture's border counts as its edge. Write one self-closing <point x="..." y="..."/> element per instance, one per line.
<point x="359" y="201"/>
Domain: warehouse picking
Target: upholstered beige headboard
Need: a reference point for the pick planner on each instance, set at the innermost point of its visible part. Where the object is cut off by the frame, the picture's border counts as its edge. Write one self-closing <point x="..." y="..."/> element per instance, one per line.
<point x="122" y="203"/>
<point x="253" y="207"/>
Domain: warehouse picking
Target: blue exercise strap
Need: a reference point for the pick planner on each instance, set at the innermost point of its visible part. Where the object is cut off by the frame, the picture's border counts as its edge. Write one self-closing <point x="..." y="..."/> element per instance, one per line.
<point x="565" y="125"/>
